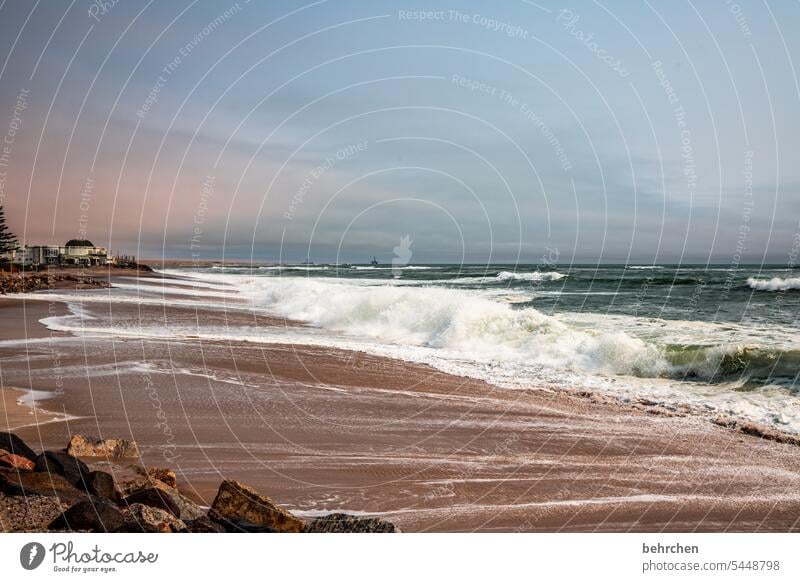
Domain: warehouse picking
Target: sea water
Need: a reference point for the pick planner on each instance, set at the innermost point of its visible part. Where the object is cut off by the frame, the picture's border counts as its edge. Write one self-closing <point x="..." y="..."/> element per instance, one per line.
<point x="713" y="338"/>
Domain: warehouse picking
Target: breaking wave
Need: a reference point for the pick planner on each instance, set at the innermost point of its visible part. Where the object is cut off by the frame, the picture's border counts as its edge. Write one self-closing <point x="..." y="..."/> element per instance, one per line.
<point x="774" y="284"/>
<point x="461" y="323"/>
<point x="452" y="319"/>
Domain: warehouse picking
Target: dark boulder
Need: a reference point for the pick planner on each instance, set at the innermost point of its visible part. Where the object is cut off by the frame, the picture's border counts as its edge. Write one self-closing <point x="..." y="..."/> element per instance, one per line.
<point x="188" y="509"/>
<point x="127" y="477"/>
<point x="24" y="483"/>
<point x="343" y="523"/>
<point x="101" y="484"/>
<point x="15" y="445"/>
<point x="54" y="462"/>
<point x="92" y="515"/>
<point x="153" y="497"/>
<point x="129" y="484"/>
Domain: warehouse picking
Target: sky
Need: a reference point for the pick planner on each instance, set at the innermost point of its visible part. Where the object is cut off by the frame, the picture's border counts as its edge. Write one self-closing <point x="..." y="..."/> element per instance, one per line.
<point x="530" y="132"/>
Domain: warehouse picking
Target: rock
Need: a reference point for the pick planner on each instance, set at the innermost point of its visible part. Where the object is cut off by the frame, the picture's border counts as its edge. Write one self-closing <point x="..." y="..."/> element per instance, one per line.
<point x="188" y="509"/>
<point x="343" y="523"/>
<point x="16" y="446"/>
<point x="101" y="484"/>
<point x="127" y="477"/>
<point x="83" y="446"/>
<point x="166" y="476"/>
<point x="93" y="515"/>
<point x="23" y="483"/>
<point x="238" y="502"/>
<point x="153" y="497"/>
<point x="151" y="519"/>
<point x="204" y="524"/>
<point x="72" y="469"/>
<point x="16" y="462"/>
<point x="135" y="484"/>
<point x="141" y="480"/>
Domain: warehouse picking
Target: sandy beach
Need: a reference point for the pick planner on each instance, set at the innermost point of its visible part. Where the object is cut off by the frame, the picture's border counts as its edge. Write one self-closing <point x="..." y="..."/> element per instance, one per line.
<point x="321" y="430"/>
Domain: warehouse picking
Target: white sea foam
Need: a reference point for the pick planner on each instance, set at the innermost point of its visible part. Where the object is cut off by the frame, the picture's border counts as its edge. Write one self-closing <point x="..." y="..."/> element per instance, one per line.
<point x="455" y="320"/>
<point x="643" y="267"/>
<point x="774" y="284"/>
<point x="535" y="276"/>
<point x="504" y="276"/>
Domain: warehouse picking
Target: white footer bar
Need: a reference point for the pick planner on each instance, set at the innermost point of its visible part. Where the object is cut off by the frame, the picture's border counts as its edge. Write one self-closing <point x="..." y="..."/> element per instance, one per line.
<point x="353" y="557"/>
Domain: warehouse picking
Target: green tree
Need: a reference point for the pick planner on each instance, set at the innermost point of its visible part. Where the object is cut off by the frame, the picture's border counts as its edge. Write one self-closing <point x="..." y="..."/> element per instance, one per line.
<point x="8" y="242"/>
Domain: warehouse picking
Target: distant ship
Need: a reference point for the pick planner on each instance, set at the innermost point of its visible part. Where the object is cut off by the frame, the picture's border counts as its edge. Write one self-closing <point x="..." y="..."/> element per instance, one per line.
<point x="374" y="261"/>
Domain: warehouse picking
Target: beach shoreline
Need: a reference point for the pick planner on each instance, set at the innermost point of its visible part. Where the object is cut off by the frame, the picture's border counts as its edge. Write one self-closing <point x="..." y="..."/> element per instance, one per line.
<point x="323" y="429"/>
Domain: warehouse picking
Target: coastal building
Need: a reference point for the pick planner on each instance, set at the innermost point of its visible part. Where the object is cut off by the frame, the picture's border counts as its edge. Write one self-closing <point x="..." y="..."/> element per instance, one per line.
<point x="75" y="252"/>
<point x="83" y="252"/>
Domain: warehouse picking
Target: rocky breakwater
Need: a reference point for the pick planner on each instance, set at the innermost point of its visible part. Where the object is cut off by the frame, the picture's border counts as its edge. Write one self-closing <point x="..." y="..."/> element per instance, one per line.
<point x="101" y="486"/>
<point x="28" y="282"/>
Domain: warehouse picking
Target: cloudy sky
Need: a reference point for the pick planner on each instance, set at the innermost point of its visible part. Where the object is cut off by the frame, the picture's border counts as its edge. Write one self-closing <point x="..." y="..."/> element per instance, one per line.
<point x="612" y="131"/>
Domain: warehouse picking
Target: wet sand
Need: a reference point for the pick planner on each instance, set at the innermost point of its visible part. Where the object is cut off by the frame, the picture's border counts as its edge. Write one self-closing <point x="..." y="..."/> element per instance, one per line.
<point x="324" y="430"/>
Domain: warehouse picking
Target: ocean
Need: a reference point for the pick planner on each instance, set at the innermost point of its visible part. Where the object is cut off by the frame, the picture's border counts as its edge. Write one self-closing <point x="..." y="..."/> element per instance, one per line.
<point x="710" y="339"/>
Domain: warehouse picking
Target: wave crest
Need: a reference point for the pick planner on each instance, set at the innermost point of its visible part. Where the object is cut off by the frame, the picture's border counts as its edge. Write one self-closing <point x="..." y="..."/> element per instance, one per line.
<point x="774" y="284"/>
<point x="457" y="321"/>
